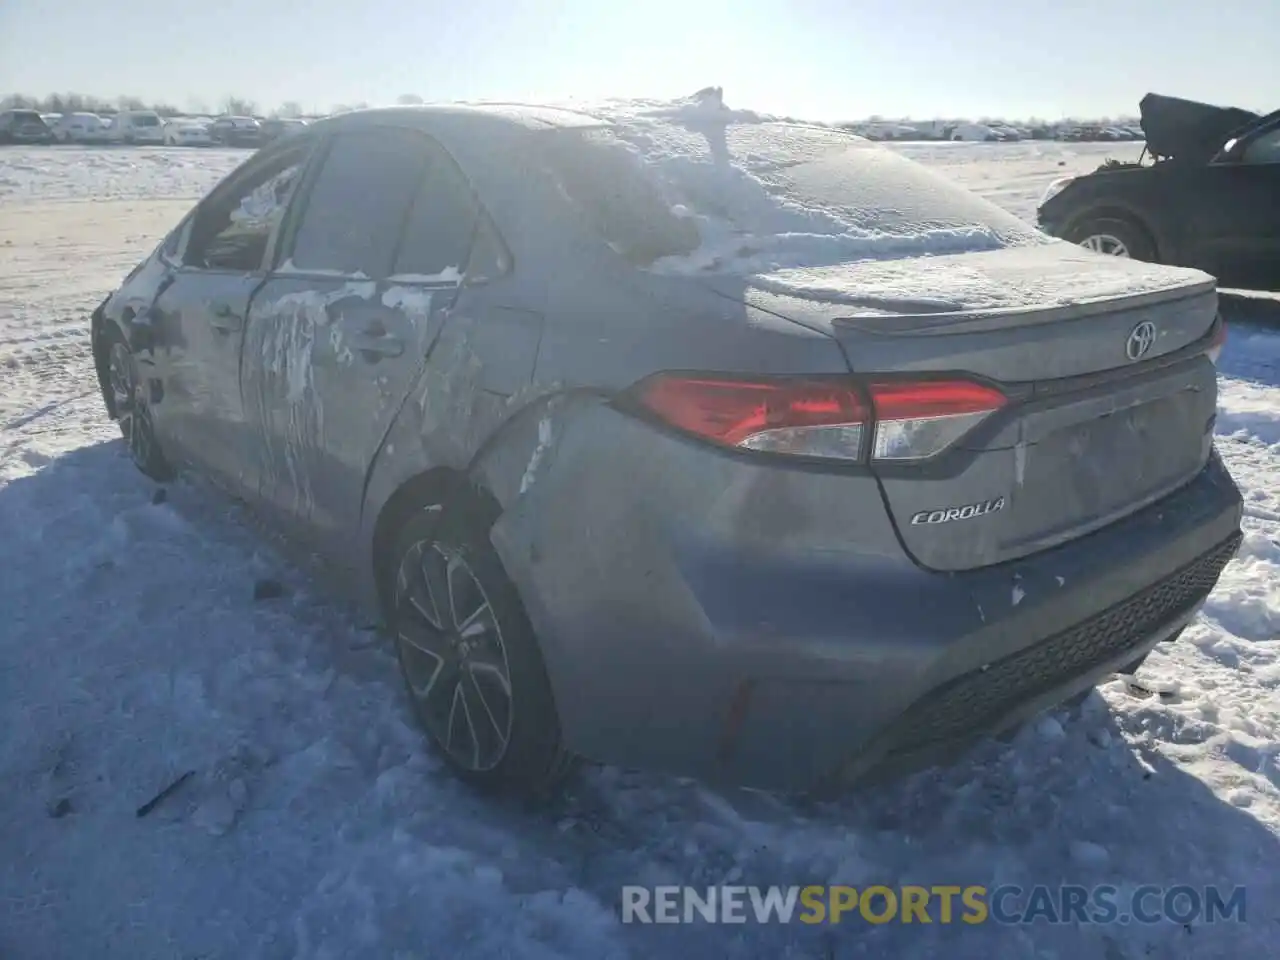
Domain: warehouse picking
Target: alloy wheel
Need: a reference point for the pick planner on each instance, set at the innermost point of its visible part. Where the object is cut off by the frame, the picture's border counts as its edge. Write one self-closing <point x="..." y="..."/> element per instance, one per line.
<point x="132" y="412"/>
<point x="451" y="650"/>
<point x="1106" y="243"/>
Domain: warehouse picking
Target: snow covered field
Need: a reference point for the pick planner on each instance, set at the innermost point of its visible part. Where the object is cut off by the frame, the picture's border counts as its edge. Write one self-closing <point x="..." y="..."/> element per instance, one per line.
<point x="314" y="824"/>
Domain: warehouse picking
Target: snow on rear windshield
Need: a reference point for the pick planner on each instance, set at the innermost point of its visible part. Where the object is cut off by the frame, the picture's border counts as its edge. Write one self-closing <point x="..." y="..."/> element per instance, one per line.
<point x="684" y="191"/>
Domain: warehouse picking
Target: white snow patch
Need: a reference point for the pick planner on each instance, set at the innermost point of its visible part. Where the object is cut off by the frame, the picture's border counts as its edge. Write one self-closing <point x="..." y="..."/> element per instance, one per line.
<point x="1089" y="854"/>
<point x="415" y="302"/>
<point x="540" y="451"/>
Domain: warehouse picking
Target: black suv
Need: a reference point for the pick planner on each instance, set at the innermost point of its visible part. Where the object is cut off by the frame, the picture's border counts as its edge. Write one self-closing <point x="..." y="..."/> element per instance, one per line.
<point x="1206" y="199"/>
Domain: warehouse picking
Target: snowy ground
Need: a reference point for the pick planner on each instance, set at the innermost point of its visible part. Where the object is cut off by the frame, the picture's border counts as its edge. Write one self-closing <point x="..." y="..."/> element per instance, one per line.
<point x="315" y="825"/>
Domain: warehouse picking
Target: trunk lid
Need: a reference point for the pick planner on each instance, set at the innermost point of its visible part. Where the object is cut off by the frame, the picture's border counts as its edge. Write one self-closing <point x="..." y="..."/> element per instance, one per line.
<point x="1111" y="403"/>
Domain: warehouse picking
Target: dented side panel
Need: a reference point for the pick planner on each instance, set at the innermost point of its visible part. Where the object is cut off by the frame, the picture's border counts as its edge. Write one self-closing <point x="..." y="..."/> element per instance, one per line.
<point x="476" y="378"/>
<point x="328" y="363"/>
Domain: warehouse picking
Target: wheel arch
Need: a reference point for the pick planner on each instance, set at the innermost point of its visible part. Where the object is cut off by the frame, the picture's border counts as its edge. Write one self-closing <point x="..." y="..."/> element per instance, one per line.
<point x="101" y="329"/>
<point x="503" y="467"/>
<point x="1127" y="213"/>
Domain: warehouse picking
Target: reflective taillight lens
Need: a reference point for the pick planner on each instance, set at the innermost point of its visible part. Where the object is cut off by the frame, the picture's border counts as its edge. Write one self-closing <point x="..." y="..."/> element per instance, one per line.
<point x="827" y="418"/>
<point x="917" y="420"/>
<point x="1219" y="341"/>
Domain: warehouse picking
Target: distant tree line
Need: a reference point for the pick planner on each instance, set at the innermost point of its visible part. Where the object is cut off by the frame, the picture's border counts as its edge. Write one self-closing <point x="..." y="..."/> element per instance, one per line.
<point x="234" y="106"/>
<point x="244" y="107"/>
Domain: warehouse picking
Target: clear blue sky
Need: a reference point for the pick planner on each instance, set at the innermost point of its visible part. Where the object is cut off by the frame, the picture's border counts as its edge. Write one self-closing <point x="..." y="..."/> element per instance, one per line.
<point x="820" y="59"/>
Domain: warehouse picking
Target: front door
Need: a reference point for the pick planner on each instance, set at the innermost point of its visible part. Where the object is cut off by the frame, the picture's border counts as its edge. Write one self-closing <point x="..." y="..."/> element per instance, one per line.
<point x="1236" y="223"/>
<point x="340" y="332"/>
<point x="200" y="318"/>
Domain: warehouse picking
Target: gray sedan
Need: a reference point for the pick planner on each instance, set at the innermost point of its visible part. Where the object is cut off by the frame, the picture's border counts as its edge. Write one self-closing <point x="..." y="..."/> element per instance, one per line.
<point x="736" y="448"/>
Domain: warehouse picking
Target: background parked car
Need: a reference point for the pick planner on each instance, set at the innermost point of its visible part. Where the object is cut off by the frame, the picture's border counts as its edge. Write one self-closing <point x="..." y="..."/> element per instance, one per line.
<point x="185" y="132"/>
<point x="23" y="126"/>
<point x="277" y="127"/>
<point x="974" y="131"/>
<point x="138" y="126"/>
<point x="79" y="128"/>
<point x="236" y="132"/>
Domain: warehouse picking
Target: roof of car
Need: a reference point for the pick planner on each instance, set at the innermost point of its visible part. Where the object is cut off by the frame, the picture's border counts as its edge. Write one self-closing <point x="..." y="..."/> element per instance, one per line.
<point x="529" y="116"/>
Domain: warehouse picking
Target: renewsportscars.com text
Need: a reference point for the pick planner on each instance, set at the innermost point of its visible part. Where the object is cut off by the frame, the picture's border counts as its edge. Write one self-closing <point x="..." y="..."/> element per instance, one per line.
<point x="946" y="904"/>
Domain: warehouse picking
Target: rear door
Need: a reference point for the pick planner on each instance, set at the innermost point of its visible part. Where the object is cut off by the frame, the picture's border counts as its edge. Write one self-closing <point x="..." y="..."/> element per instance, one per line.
<point x="1236" y="221"/>
<point x="199" y="318"/>
<point x="340" y="332"/>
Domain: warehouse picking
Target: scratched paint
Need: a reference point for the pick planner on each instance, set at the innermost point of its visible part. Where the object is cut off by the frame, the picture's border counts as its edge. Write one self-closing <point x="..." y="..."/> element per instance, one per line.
<point x="539" y="452"/>
<point x="292" y="328"/>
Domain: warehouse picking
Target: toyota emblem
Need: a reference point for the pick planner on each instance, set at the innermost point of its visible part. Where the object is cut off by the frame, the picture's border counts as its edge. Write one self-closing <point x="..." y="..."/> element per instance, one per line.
<point x="1140" y="340"/>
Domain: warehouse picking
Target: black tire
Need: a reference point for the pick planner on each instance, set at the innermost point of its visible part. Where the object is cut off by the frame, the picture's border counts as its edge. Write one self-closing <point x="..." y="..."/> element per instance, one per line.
<point x="1135" y="240"/>
<point x="127" y="403"/>
<point x="512" y="748"/>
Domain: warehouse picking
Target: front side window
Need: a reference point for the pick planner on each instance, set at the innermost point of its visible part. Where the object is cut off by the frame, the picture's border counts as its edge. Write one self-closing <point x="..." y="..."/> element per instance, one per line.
<point x="233" y="230"/>
<point x="358" y="203"/>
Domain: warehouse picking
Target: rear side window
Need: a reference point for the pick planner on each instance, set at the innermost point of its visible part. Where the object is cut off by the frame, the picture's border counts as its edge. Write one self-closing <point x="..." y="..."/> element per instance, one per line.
<point x="437" y="236"/>
<point x="358" y="203"/>
<point x="616" y="197"/>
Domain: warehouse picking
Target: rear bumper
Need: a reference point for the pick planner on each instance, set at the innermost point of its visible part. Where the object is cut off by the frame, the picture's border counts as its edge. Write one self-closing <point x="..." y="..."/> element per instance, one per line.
<point x="699" y="618"/>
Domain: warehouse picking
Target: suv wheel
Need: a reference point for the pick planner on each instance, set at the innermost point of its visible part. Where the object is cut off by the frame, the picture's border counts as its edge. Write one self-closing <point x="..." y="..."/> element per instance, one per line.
<point x="1114" y="237"/>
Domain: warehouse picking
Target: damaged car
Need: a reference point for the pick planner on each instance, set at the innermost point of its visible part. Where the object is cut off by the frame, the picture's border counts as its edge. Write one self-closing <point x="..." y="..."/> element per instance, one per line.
<point x="684" y="439"/>
<point x="1202" y="194"/>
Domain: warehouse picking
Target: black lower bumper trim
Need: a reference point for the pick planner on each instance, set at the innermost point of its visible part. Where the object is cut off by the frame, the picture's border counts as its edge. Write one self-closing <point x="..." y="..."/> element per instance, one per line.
<point x="975" y="702"/>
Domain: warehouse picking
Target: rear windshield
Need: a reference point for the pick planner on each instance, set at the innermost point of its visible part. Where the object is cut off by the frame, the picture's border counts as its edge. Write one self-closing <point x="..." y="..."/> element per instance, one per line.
<point x="27" y="116"/>
<point x="146" y="120"/>
<point x="762" y="195"/>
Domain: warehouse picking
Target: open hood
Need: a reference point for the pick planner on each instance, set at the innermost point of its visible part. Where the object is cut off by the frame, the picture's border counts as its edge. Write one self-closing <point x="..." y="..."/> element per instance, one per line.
<point x="1189" y="130"/>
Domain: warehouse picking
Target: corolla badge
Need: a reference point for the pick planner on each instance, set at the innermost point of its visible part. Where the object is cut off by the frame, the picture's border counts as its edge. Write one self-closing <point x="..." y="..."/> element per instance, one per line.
<point x="1140" y="340"/>
<point x="951" y="514"/>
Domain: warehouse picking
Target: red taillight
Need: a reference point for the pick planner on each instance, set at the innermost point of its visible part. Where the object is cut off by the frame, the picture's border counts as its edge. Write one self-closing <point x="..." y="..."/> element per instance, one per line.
<point x="1218" y="342"/>
<point x="804" y="417"/>
<point x="828" y="418"/>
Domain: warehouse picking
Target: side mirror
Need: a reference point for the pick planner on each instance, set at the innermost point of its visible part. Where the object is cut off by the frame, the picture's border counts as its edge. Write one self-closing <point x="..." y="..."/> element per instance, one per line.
<point x="1231" y="151"/>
